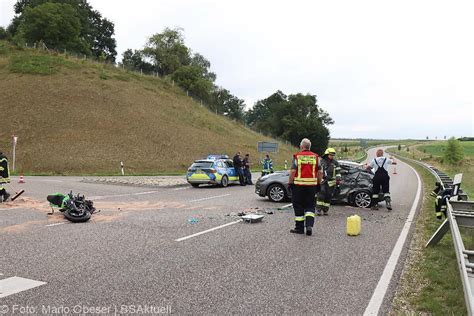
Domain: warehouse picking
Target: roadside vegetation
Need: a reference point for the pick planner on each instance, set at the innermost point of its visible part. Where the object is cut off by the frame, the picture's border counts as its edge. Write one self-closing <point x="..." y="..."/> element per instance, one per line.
<point x="450" y="156"/>
<point x="431" y="282"/>
<point x="75" y="116"/>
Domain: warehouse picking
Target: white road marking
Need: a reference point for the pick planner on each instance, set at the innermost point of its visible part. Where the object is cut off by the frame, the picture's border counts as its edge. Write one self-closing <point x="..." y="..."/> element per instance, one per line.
<point x="56" y="224"/>
<point x="211" y="197"/>
<point x="178" y="189"/>
<point x="15" y="285"/>
<point x="382" y="286"/>
<point x="120" y="195"/>
<point x="209" y="230"/>
<point x="49" y="180"/>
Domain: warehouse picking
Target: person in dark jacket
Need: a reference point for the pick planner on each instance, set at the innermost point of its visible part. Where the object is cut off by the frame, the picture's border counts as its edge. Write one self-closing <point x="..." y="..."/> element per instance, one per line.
<point x="331" y="179"/>
<point x="247" y="172"/>
<point x="381" y="180"/>
<point x="4" y="177"/>
<point x="238" y="166"/>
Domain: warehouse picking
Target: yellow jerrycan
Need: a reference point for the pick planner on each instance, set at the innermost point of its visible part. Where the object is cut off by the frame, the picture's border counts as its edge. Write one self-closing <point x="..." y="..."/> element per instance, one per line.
<point x="353" y="225"/>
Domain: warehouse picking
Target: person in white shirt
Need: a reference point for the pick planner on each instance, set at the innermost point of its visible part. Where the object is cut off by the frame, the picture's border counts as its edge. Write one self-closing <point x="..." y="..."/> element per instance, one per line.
<point x="381" y="180"/>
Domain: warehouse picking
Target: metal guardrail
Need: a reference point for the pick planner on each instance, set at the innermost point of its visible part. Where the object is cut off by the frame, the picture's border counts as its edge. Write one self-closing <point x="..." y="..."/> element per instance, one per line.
<point x="460" y="213"/>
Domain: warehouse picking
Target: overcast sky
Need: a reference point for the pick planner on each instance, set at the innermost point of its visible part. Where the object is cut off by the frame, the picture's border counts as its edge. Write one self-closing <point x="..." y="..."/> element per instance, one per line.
<point x="382" y="69"/>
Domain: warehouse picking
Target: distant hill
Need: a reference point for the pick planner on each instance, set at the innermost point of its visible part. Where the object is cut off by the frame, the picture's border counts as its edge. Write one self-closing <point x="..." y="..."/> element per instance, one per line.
<point x="74" y="116"/>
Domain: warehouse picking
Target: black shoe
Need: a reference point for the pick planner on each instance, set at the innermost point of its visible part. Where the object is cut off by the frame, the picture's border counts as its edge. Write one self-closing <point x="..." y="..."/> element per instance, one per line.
<point x="6" y="196"/>
<point x="389" y="205"/>
<point x="325" y="213"/>
<point x="296" y="231"/>
<point x="318" y="212"/>
<point x="309" y="230"/>
<point x="375" y="207"/>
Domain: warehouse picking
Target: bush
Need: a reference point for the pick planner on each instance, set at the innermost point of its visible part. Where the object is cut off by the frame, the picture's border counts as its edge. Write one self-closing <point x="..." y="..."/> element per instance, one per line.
<point x="3" y="33"/>
<point x="454" y="152"/>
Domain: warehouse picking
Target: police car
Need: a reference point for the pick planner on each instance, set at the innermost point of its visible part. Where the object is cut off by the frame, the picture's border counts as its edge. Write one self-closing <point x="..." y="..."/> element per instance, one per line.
<point x="214" y="169"/>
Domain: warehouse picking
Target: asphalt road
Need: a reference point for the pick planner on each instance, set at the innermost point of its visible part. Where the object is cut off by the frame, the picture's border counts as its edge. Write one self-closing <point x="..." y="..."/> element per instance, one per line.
<point x="127" y="258"/>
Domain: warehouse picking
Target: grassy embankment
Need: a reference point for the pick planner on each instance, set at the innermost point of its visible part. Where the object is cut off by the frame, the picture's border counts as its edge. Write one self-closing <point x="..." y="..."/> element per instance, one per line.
<point x="75" y="116"/>
<point x="431" y="283"/>
<point x="432" y="153"/>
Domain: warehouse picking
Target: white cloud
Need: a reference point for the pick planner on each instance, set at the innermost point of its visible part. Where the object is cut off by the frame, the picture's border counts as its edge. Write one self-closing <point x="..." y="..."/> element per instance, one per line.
<point x="381" y="69"/>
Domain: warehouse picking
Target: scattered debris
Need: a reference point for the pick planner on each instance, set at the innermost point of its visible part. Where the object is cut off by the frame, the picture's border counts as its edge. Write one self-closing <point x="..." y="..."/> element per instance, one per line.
<point x="253" y="218"/>
<point x="193" y="220"/>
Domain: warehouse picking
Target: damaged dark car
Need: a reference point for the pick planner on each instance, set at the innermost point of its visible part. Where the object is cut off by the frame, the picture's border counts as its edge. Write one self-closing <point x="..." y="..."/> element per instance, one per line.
<point x="355" y="189"/>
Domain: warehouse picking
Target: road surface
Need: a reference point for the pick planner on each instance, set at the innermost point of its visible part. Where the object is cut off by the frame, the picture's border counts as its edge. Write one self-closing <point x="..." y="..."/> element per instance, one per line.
<point x="142" y="252"/>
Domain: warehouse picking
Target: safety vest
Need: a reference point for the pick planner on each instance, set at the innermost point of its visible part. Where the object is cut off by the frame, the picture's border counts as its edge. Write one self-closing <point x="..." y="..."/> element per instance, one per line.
<point x="306" y="168"/>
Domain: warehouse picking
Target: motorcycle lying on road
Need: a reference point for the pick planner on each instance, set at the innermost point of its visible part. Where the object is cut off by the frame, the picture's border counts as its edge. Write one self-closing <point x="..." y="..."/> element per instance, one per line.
<point x="74" y="207"/>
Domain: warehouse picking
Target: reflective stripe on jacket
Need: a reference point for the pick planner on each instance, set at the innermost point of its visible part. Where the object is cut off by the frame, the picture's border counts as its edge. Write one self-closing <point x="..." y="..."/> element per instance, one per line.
<point x="306" y="168"/>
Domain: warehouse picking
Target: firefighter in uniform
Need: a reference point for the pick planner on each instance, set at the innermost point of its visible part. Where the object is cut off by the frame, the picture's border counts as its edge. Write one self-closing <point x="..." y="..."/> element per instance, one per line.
<point x="267" y="165"/>
<point x="331" y="173"/>
<point x="381" y="180"/>
<point x="442" y="197"/>
<point x="4" y="177"/>
<point x="303" y="181"/>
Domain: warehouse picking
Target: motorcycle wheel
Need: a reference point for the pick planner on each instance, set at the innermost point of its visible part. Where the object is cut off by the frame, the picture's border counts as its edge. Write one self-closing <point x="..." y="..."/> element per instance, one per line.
<point x="73" y="217"/>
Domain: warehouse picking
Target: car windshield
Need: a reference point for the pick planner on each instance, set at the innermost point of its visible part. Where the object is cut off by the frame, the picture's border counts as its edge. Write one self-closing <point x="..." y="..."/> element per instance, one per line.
<point x="202" y="164"/>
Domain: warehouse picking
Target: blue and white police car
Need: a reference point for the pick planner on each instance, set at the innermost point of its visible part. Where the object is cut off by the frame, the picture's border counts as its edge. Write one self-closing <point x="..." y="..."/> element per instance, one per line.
<point x="214" y="169"/>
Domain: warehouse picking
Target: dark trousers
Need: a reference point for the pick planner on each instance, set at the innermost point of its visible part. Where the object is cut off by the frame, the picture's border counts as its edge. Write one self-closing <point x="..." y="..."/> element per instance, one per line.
<point x="303" y="204"/>
<point x="380" y="182"/>
<point x="240" y="173"/>
<point x="248" y="176"/>
<point x="325" y="196"/>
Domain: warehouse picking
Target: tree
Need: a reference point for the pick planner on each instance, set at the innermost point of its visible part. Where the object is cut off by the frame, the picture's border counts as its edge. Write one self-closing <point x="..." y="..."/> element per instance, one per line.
<point x="3" y="33"/>
<point x="223" y="102"/>
<point x="134" y="60"/>
<point x="57" y="25"/>
<point x="201" y="62"/>
<point x="96" y="31"/>
<point x="192" y="79"/>
<point x="399" y="147"/>
<point x="345" y="148"/>
<point x="292" y="118"/>
<point x="167" y="51"/>
<point x="408" y="148"/>
<point x="454" y="152"/>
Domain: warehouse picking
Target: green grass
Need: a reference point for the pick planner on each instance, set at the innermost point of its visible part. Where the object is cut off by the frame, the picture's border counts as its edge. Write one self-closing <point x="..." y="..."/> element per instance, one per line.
<point x="37" y="64"/>
<point x="431" y="281"/>
<point x="438" y="148"/>
<point x="87" y="117"/>
<point x="466" y="166"/>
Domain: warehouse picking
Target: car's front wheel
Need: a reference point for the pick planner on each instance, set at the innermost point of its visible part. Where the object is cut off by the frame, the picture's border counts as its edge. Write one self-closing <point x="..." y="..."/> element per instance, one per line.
<point x="362" y="199"/>
<point x="276" y="193"/>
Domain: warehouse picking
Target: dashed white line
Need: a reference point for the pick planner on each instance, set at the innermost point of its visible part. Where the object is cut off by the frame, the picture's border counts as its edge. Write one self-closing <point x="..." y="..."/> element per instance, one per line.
<point x="209" y="198"/>
<point x="15" y="285"/>
<point x="120" y="195"/>
<point x="207" y="231"/>
<point x="56" y="224"/>
<point x="178" y="189"/>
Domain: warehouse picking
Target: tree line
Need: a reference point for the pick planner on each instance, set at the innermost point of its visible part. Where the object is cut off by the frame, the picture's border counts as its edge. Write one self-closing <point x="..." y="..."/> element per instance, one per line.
<point x="73" y="25"/>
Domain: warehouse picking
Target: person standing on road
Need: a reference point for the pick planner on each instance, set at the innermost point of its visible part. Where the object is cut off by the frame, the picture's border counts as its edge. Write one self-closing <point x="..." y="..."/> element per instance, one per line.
<point x="4" y="177"/>
<point x="331" y="179"/>
<point x="381" y="179"/>
<point x="247" y="173"/>
<point x="303" y="181"/>
<point x="267" y="165"/>
<point x="238" y="168"/>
